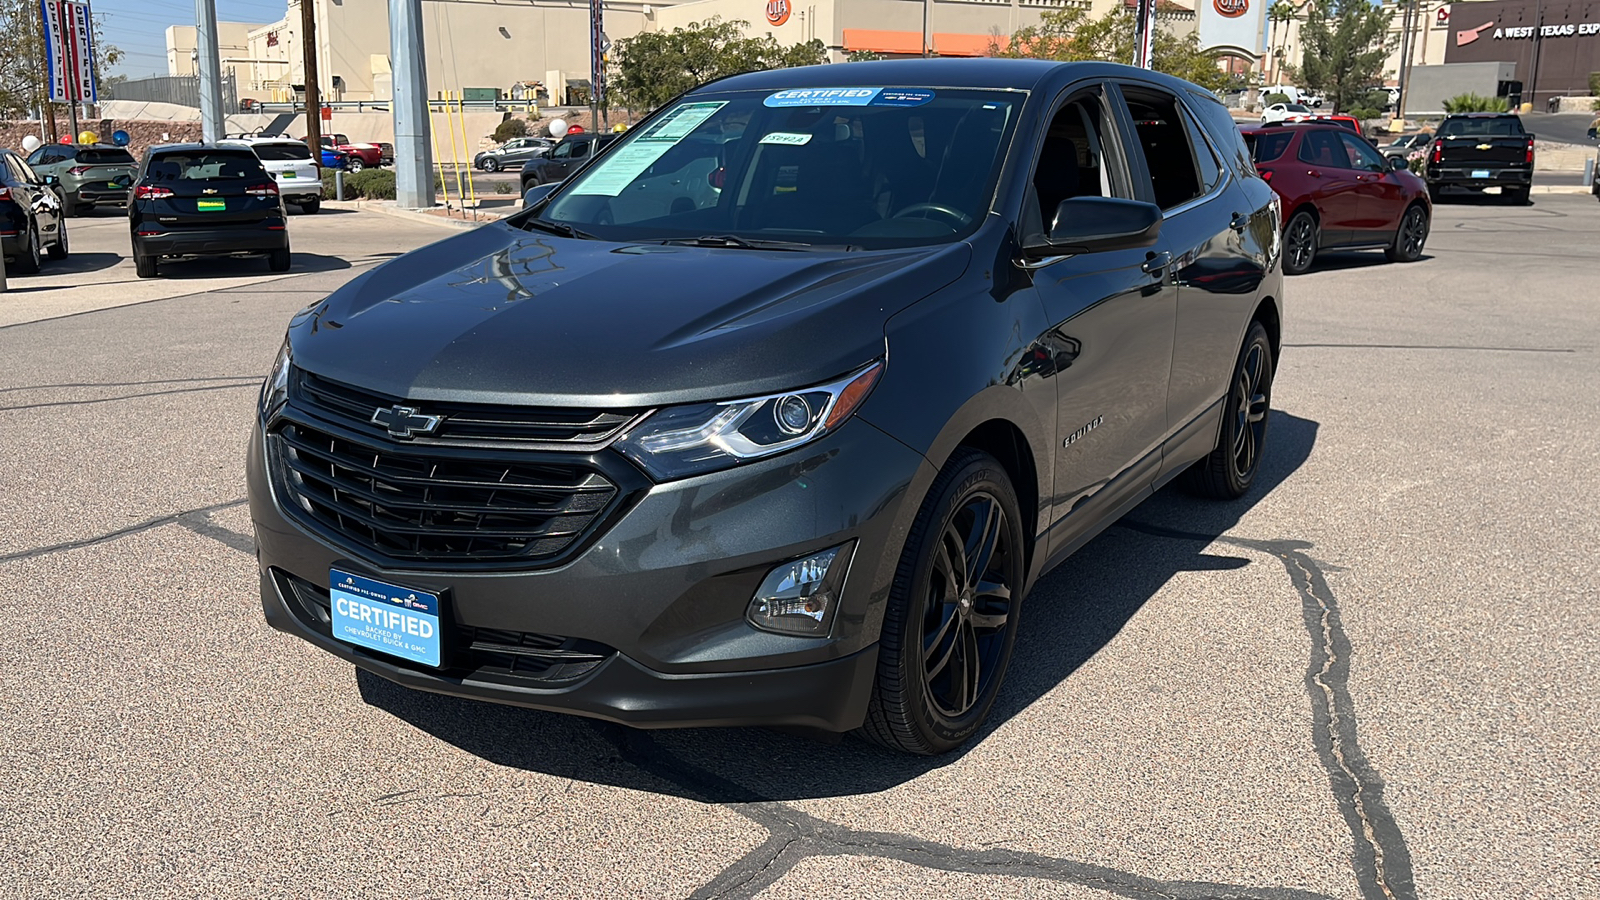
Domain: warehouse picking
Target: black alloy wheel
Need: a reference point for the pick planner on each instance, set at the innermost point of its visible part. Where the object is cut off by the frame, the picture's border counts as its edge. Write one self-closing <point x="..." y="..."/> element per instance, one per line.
<point x="1410" y="236"/>
<point x="29" y="260"/>
<point x="1230" y="469"/>
<point x="60" y="248"/>
<point x="1299" y="244"/>
<point x="950" y="626"/>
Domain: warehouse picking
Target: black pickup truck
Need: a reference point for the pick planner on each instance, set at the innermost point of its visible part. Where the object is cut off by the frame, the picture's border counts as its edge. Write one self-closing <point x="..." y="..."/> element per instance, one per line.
<point x="1474" y="151"/>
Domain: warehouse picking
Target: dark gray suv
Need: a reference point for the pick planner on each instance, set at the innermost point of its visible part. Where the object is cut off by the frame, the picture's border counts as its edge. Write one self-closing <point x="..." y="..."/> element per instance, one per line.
<point x="773" y="412"/>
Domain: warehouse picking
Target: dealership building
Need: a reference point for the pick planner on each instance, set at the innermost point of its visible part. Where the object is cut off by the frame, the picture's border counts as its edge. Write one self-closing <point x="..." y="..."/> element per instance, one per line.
<point x="1552" y="45"/>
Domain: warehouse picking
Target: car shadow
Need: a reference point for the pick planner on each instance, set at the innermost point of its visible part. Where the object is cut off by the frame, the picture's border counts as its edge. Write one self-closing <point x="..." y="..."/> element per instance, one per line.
<point x="229" y="267"/>
<point x="1342" y="260"/>
<point x="1069" y="617"/>
<point x="81" y="263"/>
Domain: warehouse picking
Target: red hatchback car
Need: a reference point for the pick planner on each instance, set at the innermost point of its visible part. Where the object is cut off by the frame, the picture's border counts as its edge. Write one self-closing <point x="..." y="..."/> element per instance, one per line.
<point x="1339" y="192"/>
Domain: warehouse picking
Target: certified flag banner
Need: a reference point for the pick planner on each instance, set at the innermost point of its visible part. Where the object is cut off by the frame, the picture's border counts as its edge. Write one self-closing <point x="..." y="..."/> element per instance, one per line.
<point x="69" y="51"/>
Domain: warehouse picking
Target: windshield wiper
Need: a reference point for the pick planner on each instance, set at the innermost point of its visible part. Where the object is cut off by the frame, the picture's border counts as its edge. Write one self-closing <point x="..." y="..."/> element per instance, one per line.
<point x="739" y="243"/>
<point x="557" y="228"/>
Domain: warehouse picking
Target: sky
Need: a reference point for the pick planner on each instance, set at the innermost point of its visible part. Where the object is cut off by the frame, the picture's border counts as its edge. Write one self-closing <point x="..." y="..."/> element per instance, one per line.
<point x="139" y="27"/>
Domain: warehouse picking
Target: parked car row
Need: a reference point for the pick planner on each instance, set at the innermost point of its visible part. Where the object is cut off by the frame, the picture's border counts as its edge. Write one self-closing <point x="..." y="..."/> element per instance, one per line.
<point x="183" y="200"/>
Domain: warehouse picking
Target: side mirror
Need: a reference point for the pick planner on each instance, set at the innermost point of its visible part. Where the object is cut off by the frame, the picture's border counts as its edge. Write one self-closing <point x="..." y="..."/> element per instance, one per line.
<point x="1097" y="224"/>
<point x="537" y="193"/>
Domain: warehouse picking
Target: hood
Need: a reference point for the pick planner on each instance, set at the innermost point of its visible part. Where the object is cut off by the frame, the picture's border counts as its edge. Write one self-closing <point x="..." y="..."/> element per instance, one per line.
<point x="501" y="315"/>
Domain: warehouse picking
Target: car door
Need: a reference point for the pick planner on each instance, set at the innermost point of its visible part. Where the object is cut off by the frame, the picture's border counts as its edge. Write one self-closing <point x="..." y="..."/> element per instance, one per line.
<point x="1382" y="198"/>
<point x="29" y="190"/>
<point x="1334" y="188"/>
<point x="1110" y="316"/>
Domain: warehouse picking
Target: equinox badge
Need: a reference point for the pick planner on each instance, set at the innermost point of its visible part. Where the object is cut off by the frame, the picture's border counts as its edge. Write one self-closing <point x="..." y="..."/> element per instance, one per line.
<point x="405" y="421"/>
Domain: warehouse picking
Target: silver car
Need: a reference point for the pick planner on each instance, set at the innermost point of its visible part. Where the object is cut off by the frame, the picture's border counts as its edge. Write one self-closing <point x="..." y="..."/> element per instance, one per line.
<point x="513" y="153"/>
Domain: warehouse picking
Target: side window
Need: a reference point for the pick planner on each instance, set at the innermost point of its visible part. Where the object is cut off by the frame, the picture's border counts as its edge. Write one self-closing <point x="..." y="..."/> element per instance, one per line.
<point x="1164" y="140"/>
<point x="562" y="151"/>
<point x="1362" y="156"/>
<point x="581" y="149"/>
<point x="1072" y="163"/>
<point x="1223" y="131"/>
<point x="1205" y="162"/>
<point x="1322" y="148"/>
<point x="18" y="175"/>
<point x="38" y="156"/>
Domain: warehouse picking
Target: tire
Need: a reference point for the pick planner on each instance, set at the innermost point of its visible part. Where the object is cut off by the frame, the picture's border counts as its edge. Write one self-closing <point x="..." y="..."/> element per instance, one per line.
<point x="490" y="164"/>
<point x="1300" y="243"/>
<point x="279" y="260"/>
<point x="310" y="207"/>
<point x="29" y="260"/>
<point x="355" y="165"/>
<point x="62" y="246"/>
<point x="145" y="266"/>
<point x="1517" y="196"/>
<point x="70" y="207"/>
<point x="1410" y="236"/>
<point x="970" y="507"/>
<point x="1433" y="195"/>
<point x="1229" y="470"/>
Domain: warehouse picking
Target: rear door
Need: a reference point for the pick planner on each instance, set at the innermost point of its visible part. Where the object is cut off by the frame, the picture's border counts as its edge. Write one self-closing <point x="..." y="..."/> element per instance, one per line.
<point x="210" y="187"/>
<point x="1333" y="185"/>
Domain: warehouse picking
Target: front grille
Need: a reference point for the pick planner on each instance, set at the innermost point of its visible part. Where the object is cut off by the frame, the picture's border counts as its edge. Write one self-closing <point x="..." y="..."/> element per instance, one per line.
<point x="435" y="505"/>
<point x="480" y="653"/>
<point x="477" y="424"/>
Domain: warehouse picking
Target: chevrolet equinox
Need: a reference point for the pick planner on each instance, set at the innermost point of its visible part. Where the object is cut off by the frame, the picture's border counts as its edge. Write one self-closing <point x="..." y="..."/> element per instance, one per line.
<point x="773" y="412"/>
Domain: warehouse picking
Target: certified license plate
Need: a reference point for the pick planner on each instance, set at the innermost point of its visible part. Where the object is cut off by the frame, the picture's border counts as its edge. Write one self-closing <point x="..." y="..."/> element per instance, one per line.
<point x="211" y="205"/>
<point x="388" y="618"/>
<point x="1480" y="173"/>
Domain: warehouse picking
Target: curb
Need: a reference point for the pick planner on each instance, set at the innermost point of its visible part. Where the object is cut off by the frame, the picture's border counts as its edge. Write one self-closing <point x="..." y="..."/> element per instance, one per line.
<point x="1559" y="189"/>
<point x="387" y="207"/>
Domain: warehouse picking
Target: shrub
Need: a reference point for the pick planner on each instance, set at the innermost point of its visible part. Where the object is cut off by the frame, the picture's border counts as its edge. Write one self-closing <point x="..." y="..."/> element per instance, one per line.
<point x="1365" y="112"/>
<point x="1270" y="99"/>
<point x="1594" y="83"/>
<point x="1467" y="103"/>
<point x="510" y="128"/>
<point x="368" y="184"/>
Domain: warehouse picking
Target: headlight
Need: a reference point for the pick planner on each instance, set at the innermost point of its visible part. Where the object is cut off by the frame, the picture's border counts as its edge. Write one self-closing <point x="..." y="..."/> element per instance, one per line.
<point x="275" y="390"/>
<point x="680" y="441"/>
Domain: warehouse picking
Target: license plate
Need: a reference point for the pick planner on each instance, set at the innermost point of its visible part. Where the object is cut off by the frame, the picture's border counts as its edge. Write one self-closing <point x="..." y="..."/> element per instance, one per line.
<point x="388" y="618"/>
<point x="1480" y="173"/>
<point x="211" y="205"/>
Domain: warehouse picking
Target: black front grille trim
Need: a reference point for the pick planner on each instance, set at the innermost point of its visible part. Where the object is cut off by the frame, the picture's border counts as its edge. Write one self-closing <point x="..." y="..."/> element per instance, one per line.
<point x="411" y="507"/>
<point x="465" y="424"/>
<point x="481" y="654"/>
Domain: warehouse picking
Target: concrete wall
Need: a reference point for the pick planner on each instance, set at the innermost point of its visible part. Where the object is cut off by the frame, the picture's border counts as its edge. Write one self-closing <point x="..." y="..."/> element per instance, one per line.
<point x="1432" y="85"/>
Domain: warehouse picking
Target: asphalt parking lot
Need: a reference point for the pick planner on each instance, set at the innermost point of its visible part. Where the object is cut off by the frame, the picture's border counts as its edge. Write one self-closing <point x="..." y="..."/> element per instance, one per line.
<point x="1374" y="678"/>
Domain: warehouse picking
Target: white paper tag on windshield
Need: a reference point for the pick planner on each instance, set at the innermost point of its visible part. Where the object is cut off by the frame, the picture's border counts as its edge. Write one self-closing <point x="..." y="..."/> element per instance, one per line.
<point x="787" y="138"/>
<point x="618" y="169"/>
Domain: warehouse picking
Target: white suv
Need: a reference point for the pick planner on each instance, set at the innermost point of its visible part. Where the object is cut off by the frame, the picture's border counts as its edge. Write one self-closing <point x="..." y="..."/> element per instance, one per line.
<point x="290" y="163"/>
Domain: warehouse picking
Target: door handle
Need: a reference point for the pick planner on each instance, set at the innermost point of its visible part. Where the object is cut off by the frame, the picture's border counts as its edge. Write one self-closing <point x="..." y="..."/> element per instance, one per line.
<point x="1239" y="223"/>
<point x="1314" y="173"/>
<point x="1154" y="263"/>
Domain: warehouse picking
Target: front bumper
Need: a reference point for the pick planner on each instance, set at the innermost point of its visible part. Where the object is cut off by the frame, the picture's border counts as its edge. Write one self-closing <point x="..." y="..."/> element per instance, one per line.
<point x="213" y="241"/>
<point x="663" y="589"/>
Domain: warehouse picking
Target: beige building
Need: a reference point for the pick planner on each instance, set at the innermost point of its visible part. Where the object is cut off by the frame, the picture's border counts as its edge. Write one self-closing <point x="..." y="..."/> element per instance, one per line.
<point x="1429" y="37"/>
<point x="233" y="45"/>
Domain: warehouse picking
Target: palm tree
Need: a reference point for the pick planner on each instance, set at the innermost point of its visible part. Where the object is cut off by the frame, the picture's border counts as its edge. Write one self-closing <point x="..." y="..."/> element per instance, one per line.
<point x="1280" y="13"/>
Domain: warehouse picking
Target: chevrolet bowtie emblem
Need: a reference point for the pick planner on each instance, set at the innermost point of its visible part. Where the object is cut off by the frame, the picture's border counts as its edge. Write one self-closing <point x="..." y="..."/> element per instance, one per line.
<point x="209" y="191"/>
<point x="405" y="421"/>
<point x="1484" y="146"/>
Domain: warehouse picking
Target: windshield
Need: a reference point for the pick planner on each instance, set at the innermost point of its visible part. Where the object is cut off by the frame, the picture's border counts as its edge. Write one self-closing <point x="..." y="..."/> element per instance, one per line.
<point x="1509" y="126"/>
<point x="873" y="167"/>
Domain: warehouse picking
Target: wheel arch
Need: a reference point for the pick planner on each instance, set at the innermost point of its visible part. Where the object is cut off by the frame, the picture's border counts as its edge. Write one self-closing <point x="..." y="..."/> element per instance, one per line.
<point x="1267" y="314"/>
<point x="1003" y="440"/>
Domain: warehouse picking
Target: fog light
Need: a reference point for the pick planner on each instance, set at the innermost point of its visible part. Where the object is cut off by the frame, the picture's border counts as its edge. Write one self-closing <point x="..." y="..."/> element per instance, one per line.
<point x="799" y="597"/>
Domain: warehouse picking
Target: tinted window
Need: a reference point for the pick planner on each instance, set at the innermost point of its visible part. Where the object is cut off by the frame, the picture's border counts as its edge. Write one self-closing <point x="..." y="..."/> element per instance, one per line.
<point x="204" y="165"/>
<point x="1164" y="140"/>
<point x="20" y="170"/>
<point x="1509" y="126"/>
<point x="282" y="152"/>
<point x="1361" y="153"/>
<point x="1323" y="148"/>
<point x="1205" y="162"/>
<point x="1224" y="132"/>
<point x="115" y="156"/>
<point x="1072" y="163"/>
<point x="1271" y="144"/>
<point x="920" y="170"/>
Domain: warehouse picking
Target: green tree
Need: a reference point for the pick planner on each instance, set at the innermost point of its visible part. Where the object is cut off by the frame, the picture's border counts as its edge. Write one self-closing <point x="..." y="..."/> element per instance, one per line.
<point x="22" y="58"/>
<point x="654" y="67"/>
<point x="1346" y="43"/>
<point x="1069" y="35"/>
<point x="1468" y="103"/>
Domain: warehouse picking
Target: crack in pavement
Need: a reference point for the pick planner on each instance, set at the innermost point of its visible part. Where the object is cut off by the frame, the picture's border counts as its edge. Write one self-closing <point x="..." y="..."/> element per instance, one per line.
<point x="1382" y="861"/>
<point x="146" y="525"/>
<point x="201" y="523"/>
<point x="252" y="383"/>
<point x="795" y="835"/>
